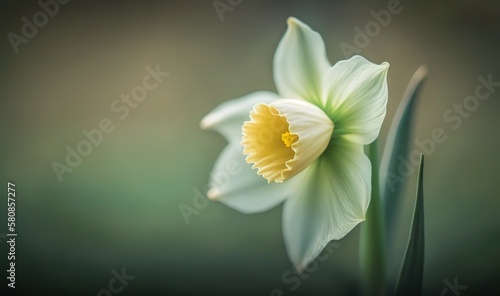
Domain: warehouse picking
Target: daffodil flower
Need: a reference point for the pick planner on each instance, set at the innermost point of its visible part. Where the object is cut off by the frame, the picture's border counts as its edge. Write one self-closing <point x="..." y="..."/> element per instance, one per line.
<point x="303" y="145"/>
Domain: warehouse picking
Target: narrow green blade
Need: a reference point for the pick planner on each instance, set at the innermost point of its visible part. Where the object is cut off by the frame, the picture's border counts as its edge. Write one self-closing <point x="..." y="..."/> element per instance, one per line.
<point x="411" y="275"/>
<point x="371" y="241"/>
<point x="396" y="151"/>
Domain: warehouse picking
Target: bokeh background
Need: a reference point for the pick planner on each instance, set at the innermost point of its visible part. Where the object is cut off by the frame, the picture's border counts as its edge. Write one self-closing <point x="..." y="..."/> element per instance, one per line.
<point x="120" y="207"/>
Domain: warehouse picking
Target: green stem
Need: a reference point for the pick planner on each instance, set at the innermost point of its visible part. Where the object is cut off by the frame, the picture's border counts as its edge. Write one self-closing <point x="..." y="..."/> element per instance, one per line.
<point x="371" y="245"/>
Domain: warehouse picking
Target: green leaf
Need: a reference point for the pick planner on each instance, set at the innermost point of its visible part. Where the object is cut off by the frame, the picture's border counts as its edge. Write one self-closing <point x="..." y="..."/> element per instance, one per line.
<point x="412" y="270"/>
<point x="371" y="242"/>
<point x="398" y="146"/>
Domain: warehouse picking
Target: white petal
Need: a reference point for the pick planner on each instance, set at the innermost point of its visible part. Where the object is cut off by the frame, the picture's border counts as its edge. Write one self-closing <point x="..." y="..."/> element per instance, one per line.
<point x="355" y="97"/>
<point x="234" y="183"/>
<point x="326" y="201"/>
<point x="300" y="62"/>
<point x="228" y="117"/>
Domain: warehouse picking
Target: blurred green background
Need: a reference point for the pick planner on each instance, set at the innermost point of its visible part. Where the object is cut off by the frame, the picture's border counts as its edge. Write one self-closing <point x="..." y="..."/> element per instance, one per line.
<point x="120" y="207"/>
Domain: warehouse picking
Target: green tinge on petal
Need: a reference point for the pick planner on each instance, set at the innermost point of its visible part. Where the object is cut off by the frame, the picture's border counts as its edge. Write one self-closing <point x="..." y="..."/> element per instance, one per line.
<point x="228" y="117"/>
<point x="355" y="97"/>
<point x="326" y="201"/>
<point x="234" y="183"/>
<point x="300" y="62"/>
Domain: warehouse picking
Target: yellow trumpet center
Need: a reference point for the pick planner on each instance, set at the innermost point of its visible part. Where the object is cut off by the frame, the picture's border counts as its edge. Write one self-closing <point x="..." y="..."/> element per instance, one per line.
<point x="288" y="139"/>
<point x="267" y="142"/>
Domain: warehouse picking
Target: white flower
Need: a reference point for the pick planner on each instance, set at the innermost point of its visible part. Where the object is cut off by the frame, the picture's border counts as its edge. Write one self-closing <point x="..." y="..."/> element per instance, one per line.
<point x="304" y="145"/>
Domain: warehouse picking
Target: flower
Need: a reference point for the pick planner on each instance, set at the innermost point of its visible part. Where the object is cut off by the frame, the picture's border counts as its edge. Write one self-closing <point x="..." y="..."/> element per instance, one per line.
<point x="303" y="145"/>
